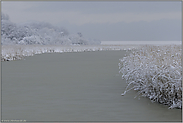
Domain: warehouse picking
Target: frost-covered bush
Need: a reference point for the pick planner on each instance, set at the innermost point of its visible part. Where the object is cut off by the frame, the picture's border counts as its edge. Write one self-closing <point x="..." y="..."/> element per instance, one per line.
<point x="31" y="40"/>
<point x="155" y="72"/>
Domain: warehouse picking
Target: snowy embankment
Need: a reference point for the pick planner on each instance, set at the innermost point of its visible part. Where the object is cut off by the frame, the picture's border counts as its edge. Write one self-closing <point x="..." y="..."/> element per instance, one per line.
<point x="155" y="72"/>
<point x="15" y="52"/>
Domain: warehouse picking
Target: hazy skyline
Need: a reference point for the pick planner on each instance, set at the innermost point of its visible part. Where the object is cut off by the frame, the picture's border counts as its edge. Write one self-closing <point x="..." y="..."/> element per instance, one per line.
<point x="116" y="21"/>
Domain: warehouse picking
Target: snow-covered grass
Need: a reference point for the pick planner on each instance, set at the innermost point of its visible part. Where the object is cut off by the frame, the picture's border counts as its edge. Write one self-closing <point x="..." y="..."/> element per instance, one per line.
<point x="14" y="52"/>
<point x="155" y="72"/>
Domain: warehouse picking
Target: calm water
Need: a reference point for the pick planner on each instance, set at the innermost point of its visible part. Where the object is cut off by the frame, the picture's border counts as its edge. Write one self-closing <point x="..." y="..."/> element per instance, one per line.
<point x="74" y="87"/>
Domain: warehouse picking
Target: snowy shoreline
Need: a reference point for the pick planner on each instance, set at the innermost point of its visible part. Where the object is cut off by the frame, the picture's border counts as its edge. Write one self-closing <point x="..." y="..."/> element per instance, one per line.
<point x="17" y="52"/>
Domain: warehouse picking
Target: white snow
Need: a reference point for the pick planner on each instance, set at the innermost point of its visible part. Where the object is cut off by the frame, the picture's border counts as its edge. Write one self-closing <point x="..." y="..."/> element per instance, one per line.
<point x="140" y="42"/>
<point x="155" y="72"/>
<point x="14" y="52"/>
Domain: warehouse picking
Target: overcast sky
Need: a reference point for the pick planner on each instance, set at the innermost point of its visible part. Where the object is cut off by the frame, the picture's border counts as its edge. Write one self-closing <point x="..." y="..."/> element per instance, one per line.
<point x="107" y="21"/>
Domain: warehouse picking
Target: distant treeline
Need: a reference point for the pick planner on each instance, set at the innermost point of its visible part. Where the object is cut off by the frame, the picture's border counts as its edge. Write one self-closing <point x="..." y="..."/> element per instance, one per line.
<point x="39" y="33"/>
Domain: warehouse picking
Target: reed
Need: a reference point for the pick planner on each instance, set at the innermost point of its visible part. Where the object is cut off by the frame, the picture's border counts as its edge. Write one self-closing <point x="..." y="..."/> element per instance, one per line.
<point x="16" y="52"/>
<point x="155" y="72"/>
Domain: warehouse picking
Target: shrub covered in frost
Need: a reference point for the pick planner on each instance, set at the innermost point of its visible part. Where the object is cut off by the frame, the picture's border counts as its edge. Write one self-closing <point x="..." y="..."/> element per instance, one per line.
<point x="155" y="72"/>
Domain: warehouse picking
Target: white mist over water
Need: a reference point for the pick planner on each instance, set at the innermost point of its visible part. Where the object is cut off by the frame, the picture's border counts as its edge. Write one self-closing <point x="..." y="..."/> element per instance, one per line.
<point x="140" y="42"/>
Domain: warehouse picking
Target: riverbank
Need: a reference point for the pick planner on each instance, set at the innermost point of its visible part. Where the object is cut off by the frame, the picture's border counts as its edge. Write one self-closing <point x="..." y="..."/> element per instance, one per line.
<point x="155" y="71"/>
<point x="17" y="52"/>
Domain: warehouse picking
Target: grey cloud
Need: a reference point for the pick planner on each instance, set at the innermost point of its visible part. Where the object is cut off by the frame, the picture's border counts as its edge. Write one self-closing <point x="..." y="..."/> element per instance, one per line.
<point x="138" y="31"/>
<point x="107" y="7"/>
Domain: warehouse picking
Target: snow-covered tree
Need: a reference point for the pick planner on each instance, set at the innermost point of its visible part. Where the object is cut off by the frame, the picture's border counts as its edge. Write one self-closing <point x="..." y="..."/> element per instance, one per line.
<point x="42" y="33"/>
<point x="4" y="16"/>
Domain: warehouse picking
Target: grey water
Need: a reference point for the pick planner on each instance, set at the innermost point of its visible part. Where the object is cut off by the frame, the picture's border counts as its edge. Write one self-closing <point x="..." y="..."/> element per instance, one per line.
<point x="74" y="87"/>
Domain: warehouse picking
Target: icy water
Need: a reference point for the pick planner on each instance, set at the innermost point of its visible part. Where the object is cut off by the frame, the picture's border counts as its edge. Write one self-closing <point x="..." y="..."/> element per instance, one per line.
<point x="74" y="87"/>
